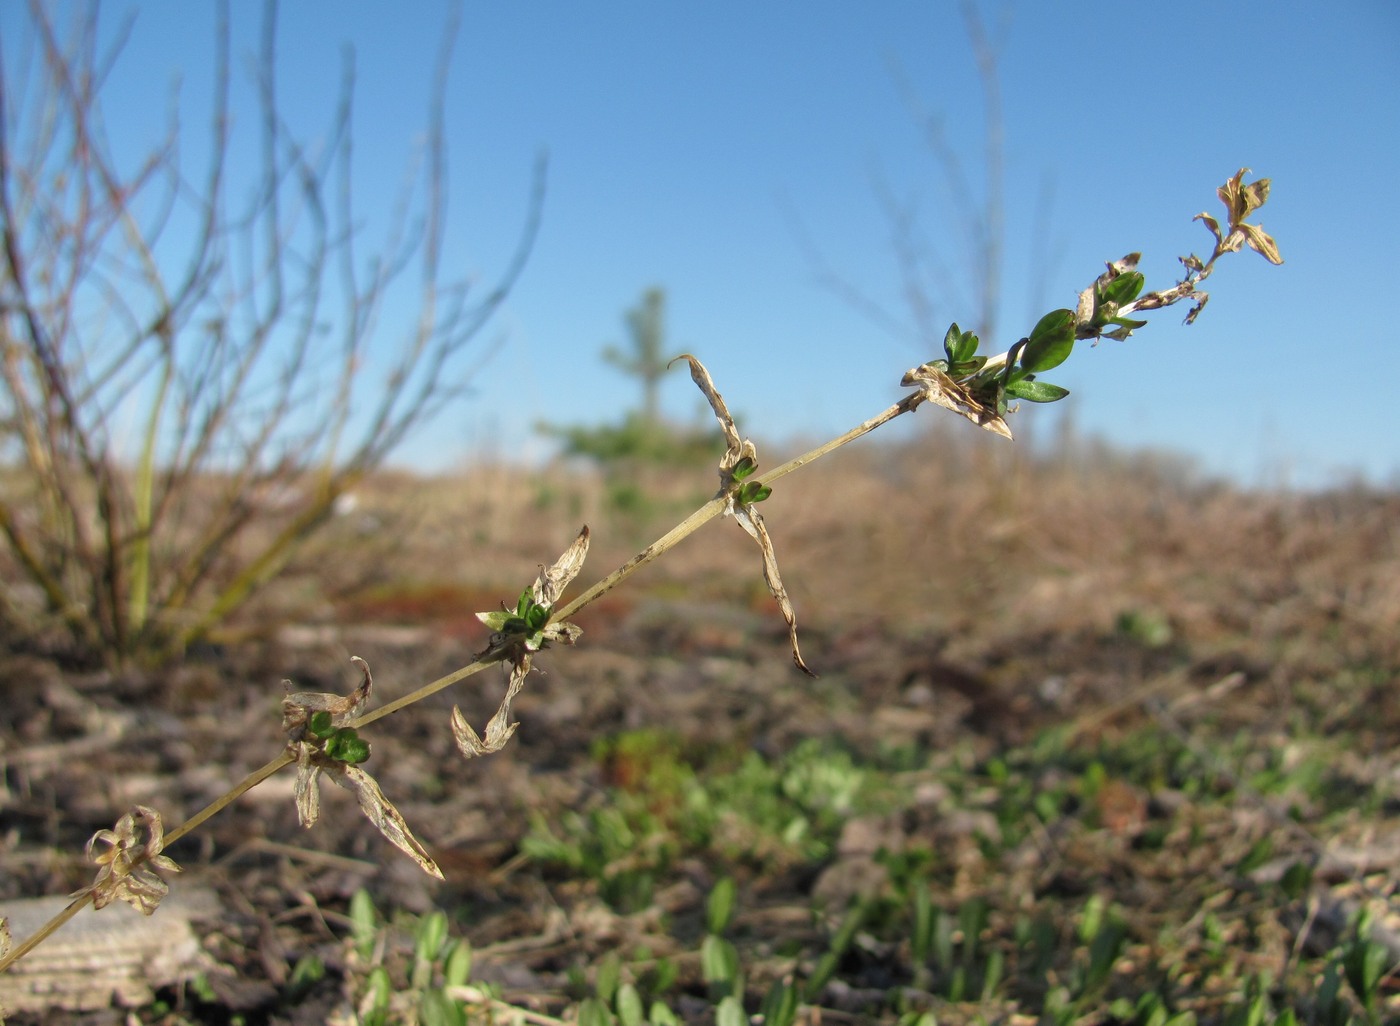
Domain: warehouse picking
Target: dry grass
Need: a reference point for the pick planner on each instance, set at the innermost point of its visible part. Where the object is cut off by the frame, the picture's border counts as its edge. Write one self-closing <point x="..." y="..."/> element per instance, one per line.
<point x="989" y="628"/>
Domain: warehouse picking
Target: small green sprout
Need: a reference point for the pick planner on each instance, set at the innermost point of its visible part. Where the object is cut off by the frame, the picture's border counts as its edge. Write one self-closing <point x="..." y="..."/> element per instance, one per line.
<point x="751" y="492"/>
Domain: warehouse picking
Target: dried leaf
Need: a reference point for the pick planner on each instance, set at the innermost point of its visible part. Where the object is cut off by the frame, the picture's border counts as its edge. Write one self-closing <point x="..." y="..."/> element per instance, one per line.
<point x="1212" y="224"/>
<point x="1256" y="194"/>
<point x="736" y="448"/>
<point x="499" y="729"/>
<point x="383" y="815"/>
<point x="563" y="632"/>
<point x="128" y="865"/>
<point x="551" y="583"/>
<point x="1202" y="298"/>
<point x="1241" y="200"/>
<point x="6" y="941"/>
<point x="1261" y="242"/>
<point x="936" y="386"/>
<point x="306" y="791"/>
<point x="752" y="522"/>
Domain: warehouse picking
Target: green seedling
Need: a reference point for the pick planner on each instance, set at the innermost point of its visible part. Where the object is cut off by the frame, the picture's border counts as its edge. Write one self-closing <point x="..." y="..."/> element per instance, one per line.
<point x="410" y="964"/>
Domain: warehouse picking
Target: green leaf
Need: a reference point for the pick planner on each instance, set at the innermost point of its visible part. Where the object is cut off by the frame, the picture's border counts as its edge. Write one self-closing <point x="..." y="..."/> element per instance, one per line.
<point x="730" y="1013"/>
<point x="496" y="620"/>
<point x="780" y="1005"/>
<point x="1050" y="342"/>
<point x="436" y="1009"/>
<point x="661" y="1015"/>
<point x="1365" y="964"/>
<point x="629" y="1006"/>
<point x="744" y="468"/>
<point x="719" y="908"/>
<point x="592" y="1012"/>
<point x="753" y="491"/>
<point x="536" y="617"/>
<point x="347" y="746"/>
<point x="364" y="922"/>
<point x="457" y="967"/>
<point x="1036" y="391"/>
<point x="719" y="965"/>
<point x="821" y="976"/>
<point x="921" y="942"/>
<point x="951" y="341"/>
<point x="380" y="989"/>
<point x="609" y="976"/>
<point x="959" y="345"/>
<point x="1122" y="289"/>
<point x="719" y="960"/>
<point x="320" y="724"/>
<point x="430" y="936"/>
<point x="992" y="973"/>
<point x="527" y="599"/>
<point x="308" y="972"/>
<point x="966" y="368"/>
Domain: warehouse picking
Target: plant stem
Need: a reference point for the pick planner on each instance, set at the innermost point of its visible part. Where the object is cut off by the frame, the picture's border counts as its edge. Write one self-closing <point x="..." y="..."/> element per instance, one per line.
<point x="249" y="782"/>
<point x="865" y="427"/>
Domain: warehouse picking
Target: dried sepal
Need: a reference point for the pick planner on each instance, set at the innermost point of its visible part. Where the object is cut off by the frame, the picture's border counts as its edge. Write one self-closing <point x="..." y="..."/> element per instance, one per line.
<point x="306" y="790"/>
<point x="550" y="584"/>
<point x="752" y="522"/>
<point x="936" y="386"/>
<point x="127" y="867"/>
<point x="737" y="463"/>
<point x="736" y="449"/>
<point x="381" y="812"/>
<point x="500" y="728"/>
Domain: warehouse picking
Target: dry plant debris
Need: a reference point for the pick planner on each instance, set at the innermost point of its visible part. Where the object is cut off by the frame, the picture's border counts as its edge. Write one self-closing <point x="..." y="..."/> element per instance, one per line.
<point x="128" y="864"/>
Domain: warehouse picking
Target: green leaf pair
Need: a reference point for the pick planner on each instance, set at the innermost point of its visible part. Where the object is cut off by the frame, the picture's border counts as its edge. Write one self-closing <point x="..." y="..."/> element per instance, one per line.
<point x="752" y="491"/>
<point x="961" y="347"/>
<point x="343" y="744"/>
<point x="529" y="617"/>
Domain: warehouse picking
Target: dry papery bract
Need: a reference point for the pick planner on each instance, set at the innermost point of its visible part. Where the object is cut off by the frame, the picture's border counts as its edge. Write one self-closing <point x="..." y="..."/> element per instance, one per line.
<point x="936" y="386"/>
<point x="309" y="748"/>
<point x="128" y="864"/>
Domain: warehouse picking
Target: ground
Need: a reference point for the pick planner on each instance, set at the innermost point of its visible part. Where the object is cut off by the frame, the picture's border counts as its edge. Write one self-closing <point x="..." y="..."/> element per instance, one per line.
<point x="1092" y="740"/>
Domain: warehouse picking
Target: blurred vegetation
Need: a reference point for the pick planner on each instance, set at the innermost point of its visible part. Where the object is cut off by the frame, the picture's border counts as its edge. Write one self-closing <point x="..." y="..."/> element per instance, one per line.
<point x="642" y="437"/>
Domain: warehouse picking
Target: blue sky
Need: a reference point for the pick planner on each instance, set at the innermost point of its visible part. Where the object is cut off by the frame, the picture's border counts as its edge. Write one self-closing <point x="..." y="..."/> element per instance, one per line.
<point x="712" y="148"/>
